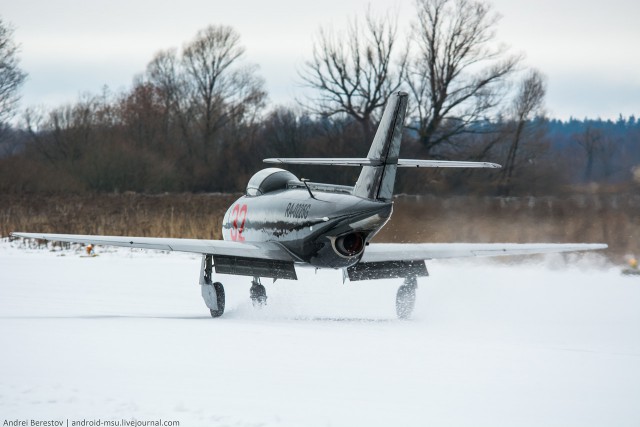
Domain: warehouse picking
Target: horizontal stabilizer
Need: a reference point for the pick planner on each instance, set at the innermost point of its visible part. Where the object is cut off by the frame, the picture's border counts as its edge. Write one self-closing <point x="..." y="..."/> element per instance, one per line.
<point x="405" y="163"/>
<point x="411" y="163"/>
<point x="325" y="161"/>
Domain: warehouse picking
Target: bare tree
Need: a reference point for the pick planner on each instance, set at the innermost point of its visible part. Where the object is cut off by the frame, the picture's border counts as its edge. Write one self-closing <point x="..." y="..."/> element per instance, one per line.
<point x="606" y="153"/>
<point x="354" y="73"/>
<point x="219" y="89"/>
<point x="284" y="132"/>
<point x="11" y="76"/>
<point x="143" y="116"/>
<point x="456" y="77"/>
<point x="62" y="134"/>
<point x="527" y="104"/>
<point x="597" y="146"/>
<point x="590" y="140"/>
<point x="163" y="74"/>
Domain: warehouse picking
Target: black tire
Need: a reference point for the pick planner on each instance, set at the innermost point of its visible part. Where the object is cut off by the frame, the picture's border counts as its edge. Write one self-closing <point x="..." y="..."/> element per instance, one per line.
<point x="405" y="301"/>
<point x="219" y="299"/>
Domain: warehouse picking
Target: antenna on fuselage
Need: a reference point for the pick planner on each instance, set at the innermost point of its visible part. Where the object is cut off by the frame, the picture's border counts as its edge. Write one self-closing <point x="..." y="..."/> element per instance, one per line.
<point x="304" y="181"/>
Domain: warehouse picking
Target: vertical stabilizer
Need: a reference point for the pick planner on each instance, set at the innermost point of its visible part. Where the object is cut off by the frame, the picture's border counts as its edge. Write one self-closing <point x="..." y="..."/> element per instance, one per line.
<point x="376" y="182"/>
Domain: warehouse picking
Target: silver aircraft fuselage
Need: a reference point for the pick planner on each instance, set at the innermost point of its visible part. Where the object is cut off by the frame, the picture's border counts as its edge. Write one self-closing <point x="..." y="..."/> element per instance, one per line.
<point x="326" y="230"/>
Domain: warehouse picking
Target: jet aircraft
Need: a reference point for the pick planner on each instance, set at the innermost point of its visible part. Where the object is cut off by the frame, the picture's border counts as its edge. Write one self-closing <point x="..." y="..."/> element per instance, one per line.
<point x="282" y="222"/>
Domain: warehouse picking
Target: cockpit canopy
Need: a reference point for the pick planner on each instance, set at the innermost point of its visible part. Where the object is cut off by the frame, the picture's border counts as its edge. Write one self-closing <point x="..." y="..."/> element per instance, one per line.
<point x="268" y="180"/>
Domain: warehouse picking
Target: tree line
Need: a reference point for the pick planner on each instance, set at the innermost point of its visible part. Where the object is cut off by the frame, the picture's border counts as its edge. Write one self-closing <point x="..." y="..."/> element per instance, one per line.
<point x="198" y="118"/>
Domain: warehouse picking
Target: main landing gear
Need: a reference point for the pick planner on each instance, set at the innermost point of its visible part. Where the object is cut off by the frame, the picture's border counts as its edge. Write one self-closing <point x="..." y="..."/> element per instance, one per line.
<point x="212" y="293"/>
<point x="406" y="298"/>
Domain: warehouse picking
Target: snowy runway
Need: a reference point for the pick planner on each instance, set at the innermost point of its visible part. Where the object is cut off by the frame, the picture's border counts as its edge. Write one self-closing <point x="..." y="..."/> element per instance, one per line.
<point x="126" y="335"/>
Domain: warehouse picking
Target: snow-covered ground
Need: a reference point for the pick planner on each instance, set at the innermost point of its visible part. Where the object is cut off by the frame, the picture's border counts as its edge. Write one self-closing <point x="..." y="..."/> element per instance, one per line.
<point x="126" y="335"/>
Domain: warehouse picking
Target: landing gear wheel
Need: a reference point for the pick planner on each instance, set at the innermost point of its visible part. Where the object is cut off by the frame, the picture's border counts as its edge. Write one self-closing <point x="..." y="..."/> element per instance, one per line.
<point x="219" y="299"/>
<point x="212" y="293"/>
<point x="406" y="298"/>
<point x="258" y="294"/>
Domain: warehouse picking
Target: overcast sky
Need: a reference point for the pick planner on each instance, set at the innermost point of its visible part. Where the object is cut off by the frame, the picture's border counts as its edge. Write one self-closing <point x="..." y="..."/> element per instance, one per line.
<point x="588" y="50"/>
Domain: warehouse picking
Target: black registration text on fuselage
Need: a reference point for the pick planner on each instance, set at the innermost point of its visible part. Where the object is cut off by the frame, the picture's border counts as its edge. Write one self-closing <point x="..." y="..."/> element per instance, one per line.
<point x="297" y="210"/>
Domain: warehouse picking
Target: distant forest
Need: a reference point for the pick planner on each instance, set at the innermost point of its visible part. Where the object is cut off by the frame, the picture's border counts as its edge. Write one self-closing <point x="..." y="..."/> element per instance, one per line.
<point x="107" y="147"/>
<point x="198" y="119"/>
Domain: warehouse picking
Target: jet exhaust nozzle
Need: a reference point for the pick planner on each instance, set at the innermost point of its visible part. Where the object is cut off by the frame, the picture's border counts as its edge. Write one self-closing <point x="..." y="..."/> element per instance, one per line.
<point x="350" y="244"/>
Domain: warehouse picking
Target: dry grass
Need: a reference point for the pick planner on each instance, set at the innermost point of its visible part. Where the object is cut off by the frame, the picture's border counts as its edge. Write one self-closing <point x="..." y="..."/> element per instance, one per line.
<point x="171" y="215"/>
<point x="612" y="219"/>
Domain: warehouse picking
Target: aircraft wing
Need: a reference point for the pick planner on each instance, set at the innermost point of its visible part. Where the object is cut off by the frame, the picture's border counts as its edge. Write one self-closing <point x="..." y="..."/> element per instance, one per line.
<point x="380" y="252"/>
<point x="262" y="250"/>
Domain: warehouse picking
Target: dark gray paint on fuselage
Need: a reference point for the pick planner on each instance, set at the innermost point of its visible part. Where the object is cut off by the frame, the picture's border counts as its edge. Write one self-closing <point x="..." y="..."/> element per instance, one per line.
<point x="307" y="227"/>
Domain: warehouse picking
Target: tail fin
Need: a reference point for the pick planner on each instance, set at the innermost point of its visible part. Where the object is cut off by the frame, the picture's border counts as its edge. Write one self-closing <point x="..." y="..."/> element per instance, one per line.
<point x="376" y="182"/>
<point x="379" y="168"/>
